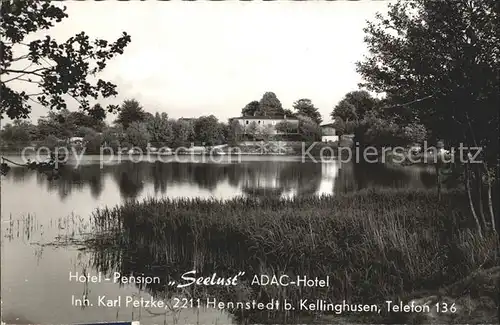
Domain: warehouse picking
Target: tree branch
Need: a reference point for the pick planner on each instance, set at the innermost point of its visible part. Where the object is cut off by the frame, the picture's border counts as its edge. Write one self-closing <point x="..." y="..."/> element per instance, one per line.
<point x="408" y="103"/>
<point x="23" y="72"/>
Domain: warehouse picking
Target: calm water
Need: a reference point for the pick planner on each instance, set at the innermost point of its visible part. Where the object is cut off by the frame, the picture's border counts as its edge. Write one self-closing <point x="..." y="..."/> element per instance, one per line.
<point x="35" y="211"/>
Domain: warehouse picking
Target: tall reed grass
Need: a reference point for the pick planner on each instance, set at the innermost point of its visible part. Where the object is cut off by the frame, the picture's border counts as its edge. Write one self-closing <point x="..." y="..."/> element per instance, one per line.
<point x="374" y="244"/>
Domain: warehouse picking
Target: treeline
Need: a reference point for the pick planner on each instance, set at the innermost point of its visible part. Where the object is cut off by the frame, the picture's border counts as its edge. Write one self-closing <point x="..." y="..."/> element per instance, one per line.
<point x="358" y="113"/>
<point x="135" y="127"/>
<point x="378" y="122"/>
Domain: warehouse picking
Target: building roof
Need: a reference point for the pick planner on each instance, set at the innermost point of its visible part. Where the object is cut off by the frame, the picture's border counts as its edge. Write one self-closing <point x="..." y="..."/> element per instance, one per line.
<point x="292" y="118"/>
<point x="328" y="125"/>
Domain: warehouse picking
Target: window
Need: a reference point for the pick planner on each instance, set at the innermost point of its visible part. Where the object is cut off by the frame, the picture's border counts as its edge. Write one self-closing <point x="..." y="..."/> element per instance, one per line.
<point x="259" y="122"/>
<point x="246" y="122"/>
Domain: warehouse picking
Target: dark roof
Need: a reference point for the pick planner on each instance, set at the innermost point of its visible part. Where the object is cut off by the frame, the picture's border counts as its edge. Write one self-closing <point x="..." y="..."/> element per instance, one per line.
<point x="265" y="118"/>
<point x="328" y="125"/>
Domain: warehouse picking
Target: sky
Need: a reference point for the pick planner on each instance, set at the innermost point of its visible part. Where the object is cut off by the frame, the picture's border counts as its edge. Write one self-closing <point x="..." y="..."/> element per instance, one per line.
<point x="199" y="58"/>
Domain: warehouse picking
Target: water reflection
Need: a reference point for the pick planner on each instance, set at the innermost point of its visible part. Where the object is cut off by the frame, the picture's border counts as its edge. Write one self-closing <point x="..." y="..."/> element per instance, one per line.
<point x="283" y="178"/>
<point x="37" y="211"/>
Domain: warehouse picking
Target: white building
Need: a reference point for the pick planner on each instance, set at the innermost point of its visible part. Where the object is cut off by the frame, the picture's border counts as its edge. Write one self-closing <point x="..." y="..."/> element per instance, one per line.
<point x="261" y="122"/>
<point x="328" y="133"/>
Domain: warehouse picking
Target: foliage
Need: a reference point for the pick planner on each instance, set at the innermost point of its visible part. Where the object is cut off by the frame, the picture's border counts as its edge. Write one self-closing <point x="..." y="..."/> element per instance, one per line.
<point x="51" y="141"/>
<point x="137" y="135"/>
<point x="57" y="69"/>
<point x="130" y="111"/>
<point x="251" y="109"/>
<point x="160" y="129"/>
<point x="18" y="132"/>
<point x="80" y="119"/>
<point x="309" y="129"/>
<point x="443" y="56"/>
<point x="344" y="111"/>
<point x="183" y="134"/>
<point x="442" y="59"/>
<point x="111" y="137"/>
<point x="92" y="141"/>
<point x="83" y="131"/>
<point x="286" y="127"/>
<point x="207" y="131"/>
<point x="235" y="133"/>
<point x="252" y="129"/>
<point x="305" y="107"/>
<point x="344" y="127"/>
<point x="264" y="133"/>
<point x="354" y="106"/>
<point x="380" y="132"/>
<point x="376" y="122"/>
<point x="289" y="113"/>
<point x="269" y="105"/>
<point x="415" y="133"/>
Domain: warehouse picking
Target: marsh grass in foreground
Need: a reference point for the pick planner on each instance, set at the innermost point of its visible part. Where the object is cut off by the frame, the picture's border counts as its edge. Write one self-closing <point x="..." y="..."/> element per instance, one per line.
<point x="374" y="244"/>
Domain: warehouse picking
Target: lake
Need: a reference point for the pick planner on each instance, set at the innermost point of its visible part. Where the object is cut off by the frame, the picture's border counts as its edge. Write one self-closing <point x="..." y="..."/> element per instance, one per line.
<point x="35" y="212"/>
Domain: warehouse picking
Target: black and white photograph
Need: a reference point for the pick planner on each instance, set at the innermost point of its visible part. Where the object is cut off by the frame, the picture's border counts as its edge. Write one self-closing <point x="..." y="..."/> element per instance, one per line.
<point x="249" y="162"/>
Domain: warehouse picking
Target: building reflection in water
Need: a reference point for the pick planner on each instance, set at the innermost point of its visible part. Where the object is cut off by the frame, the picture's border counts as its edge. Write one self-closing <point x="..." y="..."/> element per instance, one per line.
<point x="329" y="173"/>
<point x="279" y="178"/>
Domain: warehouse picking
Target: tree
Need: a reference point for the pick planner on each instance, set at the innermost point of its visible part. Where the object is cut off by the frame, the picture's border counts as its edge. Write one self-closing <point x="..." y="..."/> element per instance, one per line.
<point x="161" y="130"/>
<point x="355" y="105"/>
<point x="252" y="129"/>
<point x="362" y="101"/>
<point x="130" y="111"/>
<point x="137" y="135"/>
<point x="355" y="113"/>
<point x="57" y="69"/>
<point x="288" y="112"/>
<point x="235" y="133"/>
<point x="97" y="113"/>
<point x="309" y="129"/>
<point x="92" y="141"/>
<point x="223" y="133"/>
<point x="112" y="137"/>
<point x="80" y="119"/>
<point x="286" y="127"/>
<point x="57" y="124"/>
<point x="379" y="132"/>
<point x="51" y="141"/>
<point x="18" y="132"/>
<point x="207" y="130"/>
<point x="305" y="107"/>
<point x="415" y="133"/>
<point x="344" y="111"/>
<point x="183" y="133"/>
<point x="251" y="109"/>
<point x="83" y="131"/>
<point x="440" y="60"/>
<point x="443" y="59"/>
<point x="270" y="105"/>
<point x="265" y="133"/>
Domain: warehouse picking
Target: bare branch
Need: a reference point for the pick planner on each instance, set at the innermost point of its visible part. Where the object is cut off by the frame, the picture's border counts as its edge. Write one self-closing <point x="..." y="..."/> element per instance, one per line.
<point x="37" y="94"/>
<point x="29" y="80"/>
<point x="23" y="72"/>
<point x="19" y="58"/>
<point x="408" y="103"/>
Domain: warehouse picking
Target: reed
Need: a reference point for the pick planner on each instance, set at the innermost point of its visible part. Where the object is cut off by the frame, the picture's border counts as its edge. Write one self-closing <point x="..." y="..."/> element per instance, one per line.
<point x="374" y="243"/>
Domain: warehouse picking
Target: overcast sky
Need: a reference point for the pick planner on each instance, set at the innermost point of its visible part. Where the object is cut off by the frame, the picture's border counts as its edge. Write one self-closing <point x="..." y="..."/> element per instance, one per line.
<point x="198" y="58"/>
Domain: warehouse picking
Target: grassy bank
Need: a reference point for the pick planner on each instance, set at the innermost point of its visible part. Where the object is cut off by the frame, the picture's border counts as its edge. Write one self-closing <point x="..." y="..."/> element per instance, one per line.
<point x="374" y="244"/>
